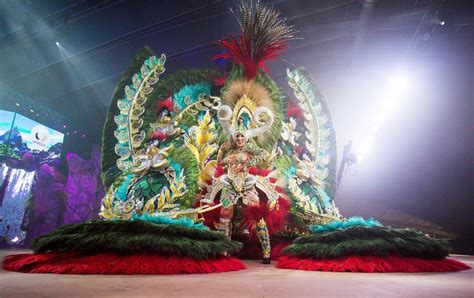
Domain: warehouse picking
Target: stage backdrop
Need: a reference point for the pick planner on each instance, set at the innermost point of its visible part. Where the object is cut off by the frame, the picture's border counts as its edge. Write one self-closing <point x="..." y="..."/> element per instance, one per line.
<point x="26" y="147"/>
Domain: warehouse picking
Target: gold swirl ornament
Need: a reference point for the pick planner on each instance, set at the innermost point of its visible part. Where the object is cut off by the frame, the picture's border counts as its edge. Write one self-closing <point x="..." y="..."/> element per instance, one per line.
<point x="128" y="206"/>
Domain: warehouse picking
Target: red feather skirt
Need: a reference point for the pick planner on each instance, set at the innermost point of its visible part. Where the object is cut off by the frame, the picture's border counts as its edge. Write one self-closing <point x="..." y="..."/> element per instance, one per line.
<point x="110" y="263"/>
<point x="372" y="264"/>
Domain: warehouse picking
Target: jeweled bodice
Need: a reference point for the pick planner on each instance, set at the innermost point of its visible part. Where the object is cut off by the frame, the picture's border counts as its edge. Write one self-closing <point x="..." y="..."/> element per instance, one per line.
<point x="237" y="162"/>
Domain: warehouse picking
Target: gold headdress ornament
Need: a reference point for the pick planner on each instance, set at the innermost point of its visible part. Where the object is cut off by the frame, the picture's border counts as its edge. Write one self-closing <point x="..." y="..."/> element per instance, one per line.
<point x="248" y="107"/>
<point x="246" y="117"/>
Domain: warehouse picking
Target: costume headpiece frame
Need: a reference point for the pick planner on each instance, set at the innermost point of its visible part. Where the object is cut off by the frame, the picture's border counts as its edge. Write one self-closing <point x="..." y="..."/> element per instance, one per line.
<point x="246" y="117"/>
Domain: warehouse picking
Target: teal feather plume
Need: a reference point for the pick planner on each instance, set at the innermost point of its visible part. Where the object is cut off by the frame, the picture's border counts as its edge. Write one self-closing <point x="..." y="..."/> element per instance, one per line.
<point x="121" y="191"/>
<point x="344" y="224"/>
<point x="165" y="220"/>
<point x="190" y="93"/>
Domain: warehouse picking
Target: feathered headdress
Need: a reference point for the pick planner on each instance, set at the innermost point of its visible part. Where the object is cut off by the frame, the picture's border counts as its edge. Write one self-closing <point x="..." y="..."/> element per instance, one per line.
<point x="264" y="34"/>
<point x="246" y="97"/>
<point x="226" y="115"/>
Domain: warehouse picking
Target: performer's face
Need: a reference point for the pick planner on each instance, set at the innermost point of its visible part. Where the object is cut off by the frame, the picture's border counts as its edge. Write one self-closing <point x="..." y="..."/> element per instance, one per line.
<point x="239" y="139"/>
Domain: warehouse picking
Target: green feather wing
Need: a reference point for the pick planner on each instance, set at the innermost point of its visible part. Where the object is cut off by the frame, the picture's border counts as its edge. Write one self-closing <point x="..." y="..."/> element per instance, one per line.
<point x="320" y="136"/>
<point x="164" y="88"/>
<point x="174" y="84"/>
<point x="109" y="170"/>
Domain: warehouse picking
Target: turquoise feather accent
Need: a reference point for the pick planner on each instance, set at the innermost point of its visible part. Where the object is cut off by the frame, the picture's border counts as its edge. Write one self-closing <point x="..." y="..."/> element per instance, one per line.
<point x="175" y="165"/>
<point x="165" y="220"/>
<point x="193" y="91"/>
<point x="324" y="196"/>
<point x="290" y="172"/>
<point x="121" y="191"/>
<point x="344" y="224"/>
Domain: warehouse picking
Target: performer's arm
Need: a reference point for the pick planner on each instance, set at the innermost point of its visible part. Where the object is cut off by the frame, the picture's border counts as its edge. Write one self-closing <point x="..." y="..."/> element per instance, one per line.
<point x="221" y="152"/>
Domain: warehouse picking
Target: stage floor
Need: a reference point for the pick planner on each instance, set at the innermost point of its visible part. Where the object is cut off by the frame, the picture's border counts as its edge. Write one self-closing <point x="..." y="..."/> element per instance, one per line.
<point x="257" y="281"/>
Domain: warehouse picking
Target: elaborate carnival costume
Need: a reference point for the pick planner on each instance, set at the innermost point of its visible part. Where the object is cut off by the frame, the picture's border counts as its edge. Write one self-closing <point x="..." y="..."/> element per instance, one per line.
<point x="237" y="156"/>
<point x="273" y="176"/>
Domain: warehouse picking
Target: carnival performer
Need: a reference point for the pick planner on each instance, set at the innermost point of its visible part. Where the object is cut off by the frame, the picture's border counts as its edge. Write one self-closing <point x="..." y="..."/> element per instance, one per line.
<point x="238" y="154"/>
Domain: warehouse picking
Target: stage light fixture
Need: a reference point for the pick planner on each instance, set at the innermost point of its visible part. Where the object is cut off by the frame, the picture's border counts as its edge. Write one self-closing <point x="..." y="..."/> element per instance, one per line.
<point x="442" y="23"/>
<point x="57" y="43"/>
<point x="31" y="110"/>
<point x="17" y="104"/>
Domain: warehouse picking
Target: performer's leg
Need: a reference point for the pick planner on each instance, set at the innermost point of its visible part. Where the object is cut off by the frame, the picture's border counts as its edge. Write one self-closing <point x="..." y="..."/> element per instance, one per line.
<point x="225" y="222"/>
<point x="264" y="238"/>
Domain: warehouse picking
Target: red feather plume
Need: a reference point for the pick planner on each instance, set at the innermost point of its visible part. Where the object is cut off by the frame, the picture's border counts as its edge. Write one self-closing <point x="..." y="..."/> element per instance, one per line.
<point x="264" y="35"/>
<point x="165" y="104"/>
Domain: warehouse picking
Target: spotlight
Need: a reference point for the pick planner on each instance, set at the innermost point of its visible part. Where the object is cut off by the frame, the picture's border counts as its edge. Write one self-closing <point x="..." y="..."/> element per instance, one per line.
<point x="17" y="104"/>
<point x="57" y="43"/>
<point x="364" y="149"/>
<point x="380" y="118"/>
<point x="399" y="83"/>
<point x="371" y="139"/>
<point x="389" y="105"/>
<point x="31" y="110"/>
<point x="64" y="126"/>
<point x="442" y="23"/>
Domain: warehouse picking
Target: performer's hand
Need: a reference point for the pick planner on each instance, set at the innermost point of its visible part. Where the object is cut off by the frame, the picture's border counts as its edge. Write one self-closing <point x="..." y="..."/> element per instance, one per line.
<point x="225" y="161"/>
<point x="225" y="145"/>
